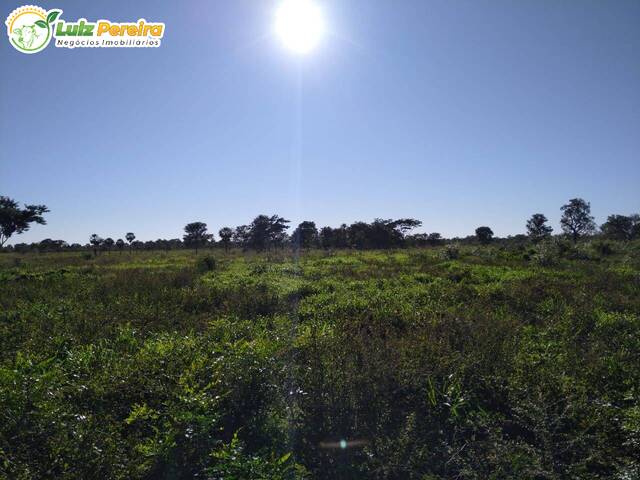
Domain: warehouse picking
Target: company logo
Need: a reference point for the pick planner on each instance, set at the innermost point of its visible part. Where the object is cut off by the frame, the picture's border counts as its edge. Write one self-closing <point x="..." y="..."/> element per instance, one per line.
<point x="31" y="28"/>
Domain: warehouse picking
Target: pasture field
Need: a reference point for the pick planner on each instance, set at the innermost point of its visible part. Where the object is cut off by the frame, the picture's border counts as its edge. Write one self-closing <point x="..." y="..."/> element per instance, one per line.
<point x="429" y="364"/>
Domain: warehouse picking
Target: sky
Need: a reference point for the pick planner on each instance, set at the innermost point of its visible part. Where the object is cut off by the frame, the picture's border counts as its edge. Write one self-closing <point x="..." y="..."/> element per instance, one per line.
<point x="460" y="114"/>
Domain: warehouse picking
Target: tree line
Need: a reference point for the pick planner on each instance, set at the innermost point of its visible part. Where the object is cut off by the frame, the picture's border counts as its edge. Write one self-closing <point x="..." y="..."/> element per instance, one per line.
<point x="268" y="232"/>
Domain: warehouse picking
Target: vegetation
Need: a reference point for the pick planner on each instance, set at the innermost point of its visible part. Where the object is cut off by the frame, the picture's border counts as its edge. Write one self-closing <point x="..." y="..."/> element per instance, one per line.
<point x="576" y="219"/>
<point x="267" y="232"/>
<point x="484" y="235"/>
<point x="362" y="351"/>
<point x="507" y="361"/>
<point x="14" y="219"/>
<point x="195" y="235"/>
<point x="537" y="227"/>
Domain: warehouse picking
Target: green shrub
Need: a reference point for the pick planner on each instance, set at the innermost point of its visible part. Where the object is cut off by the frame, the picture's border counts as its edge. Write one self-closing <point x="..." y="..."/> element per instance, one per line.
<point x="206" y="263"/>
<point x="140" y="367"/>
<point x="602" y="247"/>
<point x="451" y="251"/>
<point x="232" y="463"/>
<point x="546" y="253"/>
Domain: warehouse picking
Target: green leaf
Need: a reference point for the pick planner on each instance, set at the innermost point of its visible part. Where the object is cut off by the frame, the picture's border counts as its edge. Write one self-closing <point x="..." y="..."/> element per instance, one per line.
<point x="284" y="458"/>
<point x="52" y="16"/>
<point x="41" y="23"/>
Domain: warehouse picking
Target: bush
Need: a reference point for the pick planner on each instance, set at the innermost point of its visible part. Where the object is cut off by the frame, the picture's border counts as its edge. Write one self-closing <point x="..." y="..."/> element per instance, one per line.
<point x="451" y="251"/>
<point x="546" y="253"/>
<point x="602" y="247"/>
<point x="206" y="264"/>
<point x="232" y="462"/>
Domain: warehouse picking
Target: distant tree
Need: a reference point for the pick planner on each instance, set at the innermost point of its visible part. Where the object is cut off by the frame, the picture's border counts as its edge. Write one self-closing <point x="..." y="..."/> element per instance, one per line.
<point x="359" y="235"/>
<point x="537" y="228"/>
<point x="108" y="244"/>
<point x="21" y="247"/>
<point x="435" y="239"/>
<point x="305" y="235"/>
<point x="334" y="237"/>
<point x="484" y="235"/>
<point x="162" y="244"/>
<point x="226" y="234"/>
<point x="130" y="238"/>
<point x="341" y="238"/>
<point x="619" y="227"/>
<point x="381" y="233"/>
<point x="576" y="219"/>
<point x="241" y="236"/>
<point x="120" y="245"/>
<point x="416" y="240"/>
<point x="49" y="245"/>
<point x="96" y="241"/>
<point x="327" y="238"/>
<point x="175" y="243"/>
<point x="14" y="219"/>
<point x="259" y="232"/>
<point x="266" y="231"/>
<point x="195" y="235"/>
<point x="635" y="218"/>
<point x="405" y="225"/>
<point x="278" y="231"/>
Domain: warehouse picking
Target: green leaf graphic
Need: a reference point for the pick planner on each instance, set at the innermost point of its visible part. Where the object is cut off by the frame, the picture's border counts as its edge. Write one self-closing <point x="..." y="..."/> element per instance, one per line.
<point x="52" y="16"/>
<point x="41" y="23"/>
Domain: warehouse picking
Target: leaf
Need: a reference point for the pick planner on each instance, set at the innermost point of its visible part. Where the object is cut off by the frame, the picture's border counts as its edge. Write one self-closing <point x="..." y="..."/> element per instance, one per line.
<point x="284" y="458"/>
<point x="52" y="16"/>
<point x="41" y="23"/>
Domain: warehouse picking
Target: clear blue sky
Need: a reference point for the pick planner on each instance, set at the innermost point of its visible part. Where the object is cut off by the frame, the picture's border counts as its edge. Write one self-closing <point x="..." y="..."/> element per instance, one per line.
<point x="460" y="114"/>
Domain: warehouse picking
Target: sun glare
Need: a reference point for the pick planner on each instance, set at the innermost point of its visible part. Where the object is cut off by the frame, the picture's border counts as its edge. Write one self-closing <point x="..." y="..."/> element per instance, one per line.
<point x="299" y="25"/>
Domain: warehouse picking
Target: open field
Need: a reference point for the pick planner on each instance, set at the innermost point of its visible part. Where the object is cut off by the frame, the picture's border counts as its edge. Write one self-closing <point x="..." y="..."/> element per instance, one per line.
<point x="487" y="363"/>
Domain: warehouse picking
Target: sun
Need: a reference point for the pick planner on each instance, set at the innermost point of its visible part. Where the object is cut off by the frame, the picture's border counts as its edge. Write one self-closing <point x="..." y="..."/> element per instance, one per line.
<point x="299" y="25"/>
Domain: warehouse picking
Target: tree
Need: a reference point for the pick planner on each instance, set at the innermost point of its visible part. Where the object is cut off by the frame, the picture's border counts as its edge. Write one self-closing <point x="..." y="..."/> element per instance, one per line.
<point x="95" y="240"/>
<point x="278" y="230"/>
<point x="265" y="231"/>
<point x="226" y="234"/>
<point x="537" y="228"/>
<point x="108" y="243"/>
<point x="327" y="238"/>
<point x="196" y="235"/>
<point x="621" y="227"/>
<point x="405" y="225"/>
<point x="381" y="233"/>
<point x="14" y="219"/>
<point x="434" y="239"/>
<point x="484" y="235"/>
<point x="305" y="235"/>
<point x="334" y="237"/>
<point x="120" y="245"/>
<point x="635" y="218"/>
<point x="241" y="236"/>
<point x="576" y="219"/>
<point x="130" y="236"/>
<point x="359" y="235"/>
<point x="49" y="245"/>
<point x="340" y="236"/>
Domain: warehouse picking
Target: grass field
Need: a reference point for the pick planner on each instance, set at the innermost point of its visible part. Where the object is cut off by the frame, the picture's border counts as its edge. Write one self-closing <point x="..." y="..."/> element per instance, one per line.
<point x="482" y="363"/>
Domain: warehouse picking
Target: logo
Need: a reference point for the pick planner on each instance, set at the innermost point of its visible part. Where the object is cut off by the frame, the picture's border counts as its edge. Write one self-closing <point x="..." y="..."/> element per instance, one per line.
<point x="31" y="28"/>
